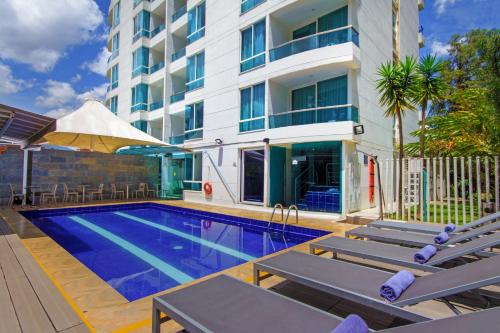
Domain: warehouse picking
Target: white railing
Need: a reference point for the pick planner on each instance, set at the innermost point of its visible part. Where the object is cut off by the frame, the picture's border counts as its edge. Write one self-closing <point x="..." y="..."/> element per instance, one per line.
<point x="440" y="190"/>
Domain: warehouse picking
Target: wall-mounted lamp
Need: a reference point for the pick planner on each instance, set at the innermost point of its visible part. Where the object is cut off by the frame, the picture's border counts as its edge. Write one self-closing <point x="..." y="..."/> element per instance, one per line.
<point x="218" y="141"/>
<point x="359" y="129"/>
<point x="266" y="140"/>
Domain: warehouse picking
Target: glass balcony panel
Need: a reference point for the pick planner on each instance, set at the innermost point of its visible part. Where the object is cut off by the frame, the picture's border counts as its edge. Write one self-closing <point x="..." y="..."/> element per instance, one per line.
<point x="194" y="134"/>
<point x="140" y="34"/>
<point x="157" y="30"/>
<point x="323" y="39"/>
<point x="178" y="14"/>
<point x="155" y="105"/>
<point x="179" y="54"/>
<point x="176" y="140"/>
<point x="177" y="97"/>
<point x="250" y="4"/>
<point x="196" y="35"/>
<point x="314" y="116"/>
<point x="156" y="67"/>
<point x="191" y="185"/>
<point x="139" y="107"/>
<point x="253" y="62"/>
<point x="252" y="124"/>
<point x="195" y="84"/>
<point x="139" y="70"/>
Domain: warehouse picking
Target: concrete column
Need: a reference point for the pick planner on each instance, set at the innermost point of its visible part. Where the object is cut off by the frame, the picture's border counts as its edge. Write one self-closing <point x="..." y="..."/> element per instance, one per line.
<point x="267" y="179"/>
<point x="27" y="165"/>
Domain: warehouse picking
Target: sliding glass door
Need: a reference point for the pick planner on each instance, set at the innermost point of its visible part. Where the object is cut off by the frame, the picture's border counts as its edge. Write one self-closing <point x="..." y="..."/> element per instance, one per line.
<point x="252" y="176"/>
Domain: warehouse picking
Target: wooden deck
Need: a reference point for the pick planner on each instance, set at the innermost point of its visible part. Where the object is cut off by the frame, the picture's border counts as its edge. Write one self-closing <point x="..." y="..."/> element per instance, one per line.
<point x="29" y="300"/>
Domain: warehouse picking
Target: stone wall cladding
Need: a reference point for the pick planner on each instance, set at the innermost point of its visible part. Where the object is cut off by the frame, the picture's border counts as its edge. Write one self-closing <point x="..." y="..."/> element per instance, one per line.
<point x="75" y="168"/>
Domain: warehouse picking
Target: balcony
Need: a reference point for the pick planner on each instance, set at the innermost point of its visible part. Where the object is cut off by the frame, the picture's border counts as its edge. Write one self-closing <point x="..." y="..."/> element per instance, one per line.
<point x="195" y="134"/>
<point x="195" y="84"/>
<point x="139" y="35"/>
<point x="157" y="30"/>
<point x="253" y="62"/>
<point x="315" y="116"/>
<point x="155" y="106"/>
<point x="255" y="124"/>
<point x="319" y="40"/>
<point x="156" y="67"/>
<point x="113" y="55"/>
<point x="250" y="4"/>
<point x="139" y="107"/>
<point x="138" y="2"/>
<point x="179" y="54"/>
<point x="139" y="70"/>
<point x="195" y="35"/>
<point x="179" y="13"/>
<point x="177" y="97"/>
<point x="176" y="140"/>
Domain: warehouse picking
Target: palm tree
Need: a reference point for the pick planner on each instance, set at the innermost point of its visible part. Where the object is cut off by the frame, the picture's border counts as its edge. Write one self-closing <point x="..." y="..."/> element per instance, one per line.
<point x="431" y="88"/>
<point x="397" y="86"/>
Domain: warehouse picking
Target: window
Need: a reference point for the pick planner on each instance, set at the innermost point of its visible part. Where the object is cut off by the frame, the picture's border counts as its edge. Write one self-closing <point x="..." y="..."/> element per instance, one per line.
<point x="196" y="23"/>
<point x="140" y="97"/>
<point x="114" y="76"/>
<point x="247" y="5"/>
<point x="141" y="125"/>
<point x="253" y="46"/>
<point x="193" y="171"/>
<point x="195" y="71"/>
<point x="193" y="121"/>
<point x="141" y="25"/>
<point x="115" y="45"/>
<point x="113" y="104"/>
<point x="140" y="61"/>
<point x="252" y="105"/>
<point x="116" y="14"/>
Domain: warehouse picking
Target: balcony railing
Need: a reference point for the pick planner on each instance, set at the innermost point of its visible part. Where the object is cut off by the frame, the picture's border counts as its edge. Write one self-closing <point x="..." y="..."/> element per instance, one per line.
<point x="192" y="185"/>
<point x="178" y="14"/>
<point x="137" y="2"/>
<point x="140" y="34"/>
<point x="319" y="40"/>
<point x="177" y="97"/>
<point x="139" y="70"/>
<point x="179" y="54"/>
<point x="249" y="4"/>
<point x="113" y="85"/>
<point x="156" y="67"/>
<point x="139" y="107"/>
<point x="157" y="30"/>
<point x="253" y="62"/>
<point x="155" y="105"/>
<point x="176" y="140"/>
<point x="196" y="35"/>
<point x="318" y="115"/>
<point x="193" y="134"/>
<point x="255" y="124"/>
<point x="113" y="55"/>
<point x="195" y="84"/>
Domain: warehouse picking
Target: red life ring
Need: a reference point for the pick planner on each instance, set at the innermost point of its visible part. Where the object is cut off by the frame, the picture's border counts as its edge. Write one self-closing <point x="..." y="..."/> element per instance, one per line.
<point x="207" y="187"/>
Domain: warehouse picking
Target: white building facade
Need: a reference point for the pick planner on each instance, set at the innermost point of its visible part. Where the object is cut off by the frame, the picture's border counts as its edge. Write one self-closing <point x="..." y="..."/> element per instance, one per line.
<point x="266" y="94"/>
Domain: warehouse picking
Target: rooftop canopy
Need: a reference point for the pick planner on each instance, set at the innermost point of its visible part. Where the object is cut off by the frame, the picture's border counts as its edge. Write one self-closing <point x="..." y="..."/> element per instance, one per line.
<point x="22" y="127"/>
<point x="95" y="128"/>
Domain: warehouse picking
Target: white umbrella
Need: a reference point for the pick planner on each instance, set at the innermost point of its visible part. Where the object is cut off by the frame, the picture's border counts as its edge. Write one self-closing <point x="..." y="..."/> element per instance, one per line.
<point x="95" y="128"/>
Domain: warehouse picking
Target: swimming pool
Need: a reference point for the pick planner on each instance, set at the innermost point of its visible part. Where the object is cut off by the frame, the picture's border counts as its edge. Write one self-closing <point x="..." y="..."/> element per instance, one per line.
<point x="141" y="249"/>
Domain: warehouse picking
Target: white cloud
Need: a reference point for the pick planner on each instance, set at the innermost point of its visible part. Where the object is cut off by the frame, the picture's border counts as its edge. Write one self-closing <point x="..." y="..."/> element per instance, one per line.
<point x="8" y="83"/>
<point x="38" y="32"/>
<point x="99" y="64"/>
<point x="61" y="98"/>
<point x="76" y="78"/>
<point x="440" y="49"/>
<point x="441" y="5"/>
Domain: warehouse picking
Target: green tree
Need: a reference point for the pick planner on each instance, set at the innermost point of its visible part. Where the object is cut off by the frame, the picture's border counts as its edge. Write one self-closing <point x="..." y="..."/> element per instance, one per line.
<point x="431" y="88"/>
<point x="397" y="86"/>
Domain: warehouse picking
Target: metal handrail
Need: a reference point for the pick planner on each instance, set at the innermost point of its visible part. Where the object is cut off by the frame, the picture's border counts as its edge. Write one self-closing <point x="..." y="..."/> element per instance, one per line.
<point x="288" y="215"/>
<point x="278" y="205"/>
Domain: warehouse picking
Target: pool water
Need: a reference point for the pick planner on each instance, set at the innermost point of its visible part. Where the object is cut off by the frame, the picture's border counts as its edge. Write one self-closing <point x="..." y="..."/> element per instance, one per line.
<point x="141" y="249"/>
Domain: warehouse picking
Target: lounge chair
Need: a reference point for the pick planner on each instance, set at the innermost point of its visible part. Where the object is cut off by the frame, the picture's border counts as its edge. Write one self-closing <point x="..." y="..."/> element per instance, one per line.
<point x="225" y="305"/>
<point x="45" y="197"/>
<point x="149" y="191"/>
<point x="399" y="255"/>
<point x="97" y="192"/>
<point x="115" y="193"/>
<point x="67" y="194"/>
<point x="416" y="239"/>
<point x="15" y="195"/>
<point x="432" y="228"/>
<point x="141" y="190"/>
<point x="362" y="284"/>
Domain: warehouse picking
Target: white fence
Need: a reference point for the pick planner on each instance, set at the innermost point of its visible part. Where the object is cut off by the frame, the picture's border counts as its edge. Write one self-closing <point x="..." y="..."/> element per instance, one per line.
<point x="441" y="190"/>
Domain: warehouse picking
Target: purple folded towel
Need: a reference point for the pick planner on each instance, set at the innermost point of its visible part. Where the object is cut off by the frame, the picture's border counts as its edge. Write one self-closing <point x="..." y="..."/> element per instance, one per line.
<point x="352" y="324"/>
<point x="396" y="285"/>
<point x="424" y="254"/>
<point x="441" y="238"/>
<point x="450" y="227"/>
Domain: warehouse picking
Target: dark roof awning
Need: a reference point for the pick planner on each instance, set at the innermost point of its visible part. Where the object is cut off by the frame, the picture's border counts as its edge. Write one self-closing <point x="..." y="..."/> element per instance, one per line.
<point x="22" y="127"/>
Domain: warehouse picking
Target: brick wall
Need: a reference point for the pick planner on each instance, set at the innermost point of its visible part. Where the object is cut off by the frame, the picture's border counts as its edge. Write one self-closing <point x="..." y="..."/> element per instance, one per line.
<point x="75" y="168"/>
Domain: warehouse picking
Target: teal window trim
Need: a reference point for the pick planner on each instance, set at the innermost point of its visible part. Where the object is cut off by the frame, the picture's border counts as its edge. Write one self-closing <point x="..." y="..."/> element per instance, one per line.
<point x="193" y="121"/>
<point x="139" y="98"/>
<point x="113" y="104"/>
<point x="142" y="25"/>
<point x="252" y="55"/>
<point x="193" y="171"/>
<point x="196" y="23"/>
<point x="140" y="125"/>
<point x="252" y="108"/>
<point x="116" y="14"/>
<point x="115" y="43"/>
<point x="140" y="61"/>
<point x="195" y="71"/>
<point x="247" y="5"/>
<point x="114" y="77"/>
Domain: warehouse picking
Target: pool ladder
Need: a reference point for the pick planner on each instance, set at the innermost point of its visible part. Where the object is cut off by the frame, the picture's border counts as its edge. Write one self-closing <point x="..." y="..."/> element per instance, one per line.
<point x="278" y="205"/>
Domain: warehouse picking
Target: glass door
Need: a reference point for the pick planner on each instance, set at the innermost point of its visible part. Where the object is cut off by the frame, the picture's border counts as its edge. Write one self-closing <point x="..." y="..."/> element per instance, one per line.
<point x="252" y="176"/>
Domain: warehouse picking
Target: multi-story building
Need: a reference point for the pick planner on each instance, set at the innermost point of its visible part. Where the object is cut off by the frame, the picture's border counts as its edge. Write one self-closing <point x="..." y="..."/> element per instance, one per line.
<point x="266" y="94"/>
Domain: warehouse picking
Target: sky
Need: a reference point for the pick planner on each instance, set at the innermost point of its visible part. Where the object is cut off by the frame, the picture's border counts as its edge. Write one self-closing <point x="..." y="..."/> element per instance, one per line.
<point x="53" y="52"/>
